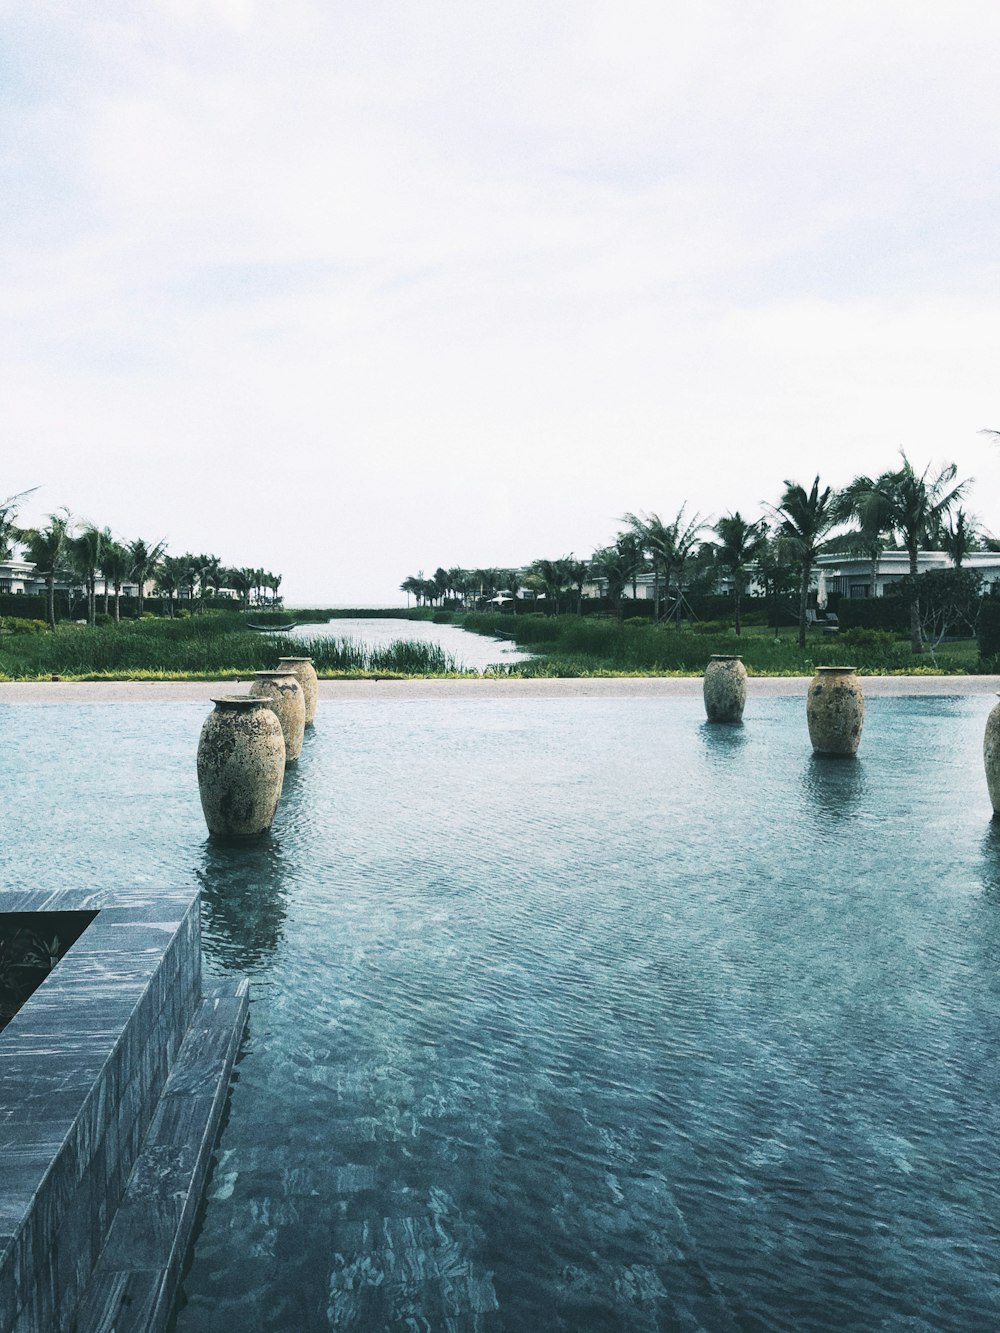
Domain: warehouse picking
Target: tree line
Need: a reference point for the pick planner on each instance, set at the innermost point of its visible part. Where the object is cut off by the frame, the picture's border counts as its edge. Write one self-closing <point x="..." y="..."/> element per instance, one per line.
<point x="899" y="509"/>
<point x="77" y="554"/>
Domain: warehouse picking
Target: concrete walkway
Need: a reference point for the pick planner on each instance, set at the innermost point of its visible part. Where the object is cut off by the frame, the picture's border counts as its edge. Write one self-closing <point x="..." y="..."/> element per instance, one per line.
<point x="619" y="687"/>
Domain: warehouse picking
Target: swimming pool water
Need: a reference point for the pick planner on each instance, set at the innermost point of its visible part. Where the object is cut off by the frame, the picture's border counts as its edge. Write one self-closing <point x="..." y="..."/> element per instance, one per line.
<point x="576" y="1014"/>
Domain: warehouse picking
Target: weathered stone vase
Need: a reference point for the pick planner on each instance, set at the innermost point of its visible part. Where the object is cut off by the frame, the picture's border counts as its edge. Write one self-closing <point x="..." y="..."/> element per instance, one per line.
<point x="241" y="766"/>
<point x="284" y="694"/>
<point x="835" y="709"/>
<point x="725" y="688"/>
<point x="305" y="674"/>
<point x="991" y="757"/>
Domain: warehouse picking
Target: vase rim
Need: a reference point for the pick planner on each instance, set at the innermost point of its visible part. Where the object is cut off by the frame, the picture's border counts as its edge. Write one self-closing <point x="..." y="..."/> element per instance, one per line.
<point x="294" y="659"/>
<point x="238" y="701"/>
<point x="725" y="657"/>
<point x="841" y="669"/>
<point x="278" y="671"/>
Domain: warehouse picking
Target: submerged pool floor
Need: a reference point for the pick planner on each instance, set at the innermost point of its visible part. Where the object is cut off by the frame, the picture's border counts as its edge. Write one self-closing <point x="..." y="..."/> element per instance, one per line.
<point x="576" y="1014"/>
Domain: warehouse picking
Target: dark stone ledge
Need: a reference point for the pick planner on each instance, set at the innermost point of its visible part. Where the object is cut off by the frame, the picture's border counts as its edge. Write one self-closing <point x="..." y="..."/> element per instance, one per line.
<point x="84" y="1065"/>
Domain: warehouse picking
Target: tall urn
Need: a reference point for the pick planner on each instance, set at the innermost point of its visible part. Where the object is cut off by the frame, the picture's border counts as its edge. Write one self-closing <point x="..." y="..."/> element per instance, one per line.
<point x="725" y="688"/>
<point x="305" y="674"/>
<point x="835" y="710"/>
<point x="282" y="692"/>
<point x="991" y="757"/>
<point x="241" y="766"/>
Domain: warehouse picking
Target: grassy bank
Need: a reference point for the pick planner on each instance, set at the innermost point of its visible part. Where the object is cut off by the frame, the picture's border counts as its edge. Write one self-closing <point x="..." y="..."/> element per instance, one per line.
<point x="218" y="645"/>
<point x="573" y="646"/>
<point x="207" y="646"/>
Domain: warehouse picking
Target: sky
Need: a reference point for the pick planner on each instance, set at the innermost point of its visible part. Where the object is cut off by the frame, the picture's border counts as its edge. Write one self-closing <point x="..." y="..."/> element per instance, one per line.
<point x="353" y="290"/>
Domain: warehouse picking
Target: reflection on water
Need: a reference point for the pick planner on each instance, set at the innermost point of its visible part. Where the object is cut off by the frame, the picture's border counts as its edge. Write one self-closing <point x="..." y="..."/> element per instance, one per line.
<point x="835" y="785"/>
<point x="471" y="652"/>
<point x="991" y="860"/>
<point x="244" y="901"/>
<point x="722" y="738"/>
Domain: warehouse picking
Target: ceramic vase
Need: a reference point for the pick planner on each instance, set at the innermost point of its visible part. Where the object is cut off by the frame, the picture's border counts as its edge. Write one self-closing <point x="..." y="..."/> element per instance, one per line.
<point x="241" y="766"/>
<point x="305" y="674"/>
<point x="725" y="688"/>
<point x="991" y="757"/>
<point x="284" y="694"/>
<point x="835" y="709"/>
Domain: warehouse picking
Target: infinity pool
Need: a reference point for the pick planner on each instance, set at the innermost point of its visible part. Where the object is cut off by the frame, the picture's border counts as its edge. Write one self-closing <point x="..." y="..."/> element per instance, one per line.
<point x="576" y="1014"/>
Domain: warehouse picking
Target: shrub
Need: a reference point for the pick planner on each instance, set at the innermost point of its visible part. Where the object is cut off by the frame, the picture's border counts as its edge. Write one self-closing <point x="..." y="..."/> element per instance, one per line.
<point x="886" y="613"/>
<point x="988" y="635"/>
<point x="869" y="639"/>
<point x="19" y="625"/>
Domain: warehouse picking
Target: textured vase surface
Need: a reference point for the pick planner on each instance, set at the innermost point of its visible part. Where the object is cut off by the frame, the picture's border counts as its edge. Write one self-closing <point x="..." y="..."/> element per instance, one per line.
<point x="991" y="757"/>
<point x="241" y="766"/>
<point x="835" y="709"/>
<point x="305" y="674"/>
<point x="284" y="694"/>
<point x="725" y="688"/>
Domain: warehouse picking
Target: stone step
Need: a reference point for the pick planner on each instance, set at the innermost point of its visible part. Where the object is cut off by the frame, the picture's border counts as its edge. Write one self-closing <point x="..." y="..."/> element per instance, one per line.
<point x="133" y="1286"/>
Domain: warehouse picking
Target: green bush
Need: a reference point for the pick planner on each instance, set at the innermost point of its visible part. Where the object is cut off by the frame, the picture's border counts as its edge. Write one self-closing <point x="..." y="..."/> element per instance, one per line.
<point x="988" y="629"/>
<point x="880" y="639"/>
<point x="885" y="613"/>
<point x="19" y="625"/>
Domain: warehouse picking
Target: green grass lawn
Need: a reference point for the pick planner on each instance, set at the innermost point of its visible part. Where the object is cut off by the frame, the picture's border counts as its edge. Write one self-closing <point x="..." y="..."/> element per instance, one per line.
<point x="218" y="645"/>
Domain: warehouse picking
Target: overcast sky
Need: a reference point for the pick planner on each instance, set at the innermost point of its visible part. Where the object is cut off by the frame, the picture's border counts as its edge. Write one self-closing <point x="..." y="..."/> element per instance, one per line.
<point x="352" y="289"/>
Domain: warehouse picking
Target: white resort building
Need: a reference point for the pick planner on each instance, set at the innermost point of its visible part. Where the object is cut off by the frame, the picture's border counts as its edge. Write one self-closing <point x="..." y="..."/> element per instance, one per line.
<point x="850" y="573"/>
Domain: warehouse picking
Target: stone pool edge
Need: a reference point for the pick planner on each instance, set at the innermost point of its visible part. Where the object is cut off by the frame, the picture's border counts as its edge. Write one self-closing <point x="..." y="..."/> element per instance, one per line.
<point x="113" y="1080"/>
<point x="594" y="687"/>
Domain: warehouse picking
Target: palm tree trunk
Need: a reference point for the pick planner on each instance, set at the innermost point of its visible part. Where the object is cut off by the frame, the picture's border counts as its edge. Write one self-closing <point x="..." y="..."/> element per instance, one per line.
<point x="50" y="584"/>
<point x="118" y="611"/>
<point x="736" y="592"/>
<point x="916" y="636"/>
<point x="803" y="598"/>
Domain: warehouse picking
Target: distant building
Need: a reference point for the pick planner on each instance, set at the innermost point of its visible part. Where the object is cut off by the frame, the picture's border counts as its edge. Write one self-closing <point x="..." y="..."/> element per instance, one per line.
<point x="850" y="573"/>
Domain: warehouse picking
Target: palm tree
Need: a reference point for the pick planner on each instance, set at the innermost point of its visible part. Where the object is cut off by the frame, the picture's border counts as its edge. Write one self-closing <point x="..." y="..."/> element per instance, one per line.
<point x="46" y="547"/>
<point x="961" y="537"/>
<point x="777" y="571"/>
<point x="211" y="574"/>
<point x="629" y="547"/>
<point x="613" y="567"/>
<point x="414" y="585"/>
<point x="805" y="518"/>
<point x="577" y="573"/>
<point x="740" y="544"/>
<point x="144" y="559"/>
<point x="862" y="501"/>
<point x="116" y="566"/>
<point x="649" y="534"/>
<point x="242" y="581"/>
<point x="669" y="546"/>
<point x="554" y="578"/>
<point x="172" y="574"/>
<point x="85" y="553"/>
<point x="916" y="505"/>
<point x="9" y="532"/>
<point x="684" y="539"/>
<point x="515" y="582"/>
<point x="441" y="584"/>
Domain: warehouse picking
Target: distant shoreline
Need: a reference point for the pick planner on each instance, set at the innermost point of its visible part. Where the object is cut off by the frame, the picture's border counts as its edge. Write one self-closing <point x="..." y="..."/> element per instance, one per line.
<point x="592" y="687"/>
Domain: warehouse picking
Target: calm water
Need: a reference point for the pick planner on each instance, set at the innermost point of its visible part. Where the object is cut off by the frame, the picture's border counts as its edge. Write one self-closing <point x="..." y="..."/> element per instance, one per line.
<point x="576" y="1015"/>
<point x="472" y="652"/>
